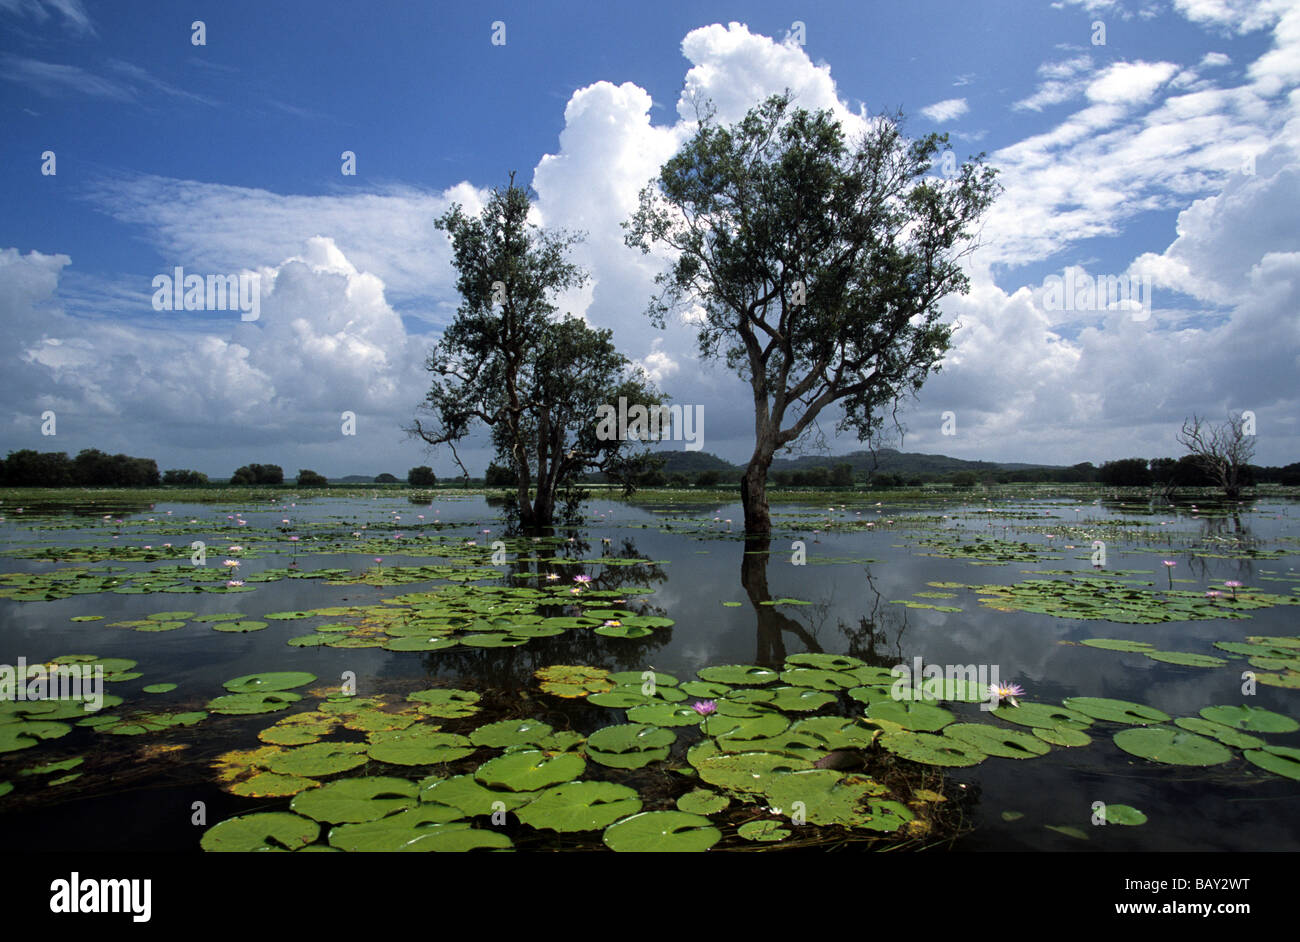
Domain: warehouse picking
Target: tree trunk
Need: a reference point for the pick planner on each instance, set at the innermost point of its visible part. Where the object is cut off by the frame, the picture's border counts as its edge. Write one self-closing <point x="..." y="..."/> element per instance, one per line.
<point x="753" y="491"/>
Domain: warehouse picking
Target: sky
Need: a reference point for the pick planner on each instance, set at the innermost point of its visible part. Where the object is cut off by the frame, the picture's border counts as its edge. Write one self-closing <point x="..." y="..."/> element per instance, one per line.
<point x="1157" y="140"/>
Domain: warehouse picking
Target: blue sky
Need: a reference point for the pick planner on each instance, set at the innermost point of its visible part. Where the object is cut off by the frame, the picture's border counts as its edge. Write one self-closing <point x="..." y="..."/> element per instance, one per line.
<point x="1131" y="157"/>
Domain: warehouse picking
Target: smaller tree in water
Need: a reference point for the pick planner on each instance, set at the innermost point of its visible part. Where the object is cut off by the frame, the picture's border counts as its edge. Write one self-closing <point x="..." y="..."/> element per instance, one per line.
<point x="536" y="383"/>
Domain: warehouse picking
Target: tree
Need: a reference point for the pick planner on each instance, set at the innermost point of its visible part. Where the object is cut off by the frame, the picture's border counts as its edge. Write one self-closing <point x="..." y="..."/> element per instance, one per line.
<point x="1222" y="451"/>
<point x="258" y="474"/>
<point x="386" y="478"/>
<point x="818" y="268"/>
<point x="309" y="478"/>
<point x="499" y="476"/>
<point x="707" y="479"/>
<point x="964" y="479"/>
<point x="537" y="383"/>
<point x="422" y="476"/>
<point x="1126" y="472"/>
<point x="842" y="475"/>
<point x="184" y="476"/>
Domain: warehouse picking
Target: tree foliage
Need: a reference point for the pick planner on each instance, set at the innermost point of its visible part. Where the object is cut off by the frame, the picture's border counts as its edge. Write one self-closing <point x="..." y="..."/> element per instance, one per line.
<point x="507" y="363"/>
<point x="818" y="266"/>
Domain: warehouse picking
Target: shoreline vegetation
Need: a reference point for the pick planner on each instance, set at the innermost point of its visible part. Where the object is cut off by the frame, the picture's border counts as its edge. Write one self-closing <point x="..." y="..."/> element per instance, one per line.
<point x="218" y="493"/>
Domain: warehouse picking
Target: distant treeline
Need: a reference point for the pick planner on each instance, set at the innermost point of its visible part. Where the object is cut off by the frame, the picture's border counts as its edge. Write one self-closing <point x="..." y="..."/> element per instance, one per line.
<point x="94" y="468"/>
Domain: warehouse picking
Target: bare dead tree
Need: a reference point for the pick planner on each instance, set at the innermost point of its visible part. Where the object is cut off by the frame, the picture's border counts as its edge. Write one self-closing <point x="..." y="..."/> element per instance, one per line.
<point x="1224" y="451"/>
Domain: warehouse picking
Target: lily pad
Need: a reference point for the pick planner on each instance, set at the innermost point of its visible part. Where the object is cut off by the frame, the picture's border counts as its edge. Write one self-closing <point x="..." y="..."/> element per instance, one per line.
<point x="914" y="716"/>
<point x="356" y="799"/>
<point x="420" y="745"/>
<point x="511" y="733"/>
<point x="738" y="674"/>
<point x="1123" y="814"/>
<point x="1171" y="746"/>
<point x="245" y="704"/>
<point x="996" y="741"/>
<point x="279" y="680"/>
<point x="529" y="770"/>
<point x="674" y="831"/>
<point x="1281" y="760"/>
<point x="930" y="749"/>
<point x="317" y="759"/>
<point x="763" y="831"/>
<point x="1116" y="711"/>
<point x="580" y="806"/>
<point x="702" y="801"/>
<point x="1251" y="719"/>
<point x="267" y="831"/>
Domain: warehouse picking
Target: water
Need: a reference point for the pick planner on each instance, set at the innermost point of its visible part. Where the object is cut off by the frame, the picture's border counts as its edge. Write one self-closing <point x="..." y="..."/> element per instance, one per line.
<point x="129" y="797"/>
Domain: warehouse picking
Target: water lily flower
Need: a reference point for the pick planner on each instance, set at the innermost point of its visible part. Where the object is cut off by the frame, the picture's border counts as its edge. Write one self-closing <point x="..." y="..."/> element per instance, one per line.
<point x="234" y="549"/>
<point x="612" y="623"/>
<point x="1212" y="594"/>
<point x="1169" y="568"/>
<point x="234" y="583"/>
<point x="232" y="563"/>
<point x="705" y="707"/>
<point x="552" y="576"/>
<point x="1007" y="692"/>
<point x="378" y="560"/>
<point x="582" y="579"/>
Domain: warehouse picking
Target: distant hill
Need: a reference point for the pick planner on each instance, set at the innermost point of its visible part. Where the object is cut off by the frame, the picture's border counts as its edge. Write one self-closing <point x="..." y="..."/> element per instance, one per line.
<point x="354" y="479"/>
<point x="884" y="461"/>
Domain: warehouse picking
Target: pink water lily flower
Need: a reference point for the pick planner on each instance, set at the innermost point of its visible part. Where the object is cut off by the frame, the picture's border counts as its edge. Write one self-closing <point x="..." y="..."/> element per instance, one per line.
<point x="582" y="579"/>
<point x="705" y="707"/>
<point x="1007" y="692"/>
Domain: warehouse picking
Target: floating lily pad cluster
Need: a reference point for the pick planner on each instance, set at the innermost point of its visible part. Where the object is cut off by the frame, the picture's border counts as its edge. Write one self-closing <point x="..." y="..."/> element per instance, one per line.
<point x="474" y="617"/>
<point x="1107" y="599"/>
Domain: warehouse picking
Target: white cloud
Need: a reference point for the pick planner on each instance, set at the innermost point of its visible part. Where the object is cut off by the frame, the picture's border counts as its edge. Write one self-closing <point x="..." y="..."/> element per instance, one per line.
<point x="947" y="110"/>
<point x="1130" y="83"/>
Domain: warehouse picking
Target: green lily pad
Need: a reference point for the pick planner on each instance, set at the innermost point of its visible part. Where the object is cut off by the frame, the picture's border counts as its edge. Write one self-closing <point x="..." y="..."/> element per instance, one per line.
<point x="826" y="662"/>
<point x="356" y="799"/>
<point x="702" y="801"/>
<point x="279" y="680"/>
<point x="159" y="688"/>
<point x="660" y="713"/>
<point x="24" y="735"/>
<point x="738" y="674"/>
<point x="1224" y="734"/>
<point x="1185" y="658"/>
<point x="763" y="831"/>
<point x="1062" y="735"/>
<point x="529" y="770"/>
<point x="317" y="759"/>
<point x="420" y="745"/>
<point x="511" y="733"/>
<point x="1281" y="760"/>
<point x="271" y="785"/>
<point x="1251" y="719"/>
<point x="1045" y="715"/>
<point x="267" y="831"/>
<point x="446" y="703"/>
<point x="923" y="717"/>
<point x="1116" y="711"/>
<point x="629" y="745"/>
<point x="580" y="806"/>
<point x="413" y="829"/>
<point x="244" y="704"/>
<point x="930" y="749"/>
<point x="1116" y="644"/>
<point x="674" y="831"/>
<point x="1123" y="814"/>
<point x="995" y="741"/>
<point x="238" y="627"/>
<point x="469" y="797"/>
<point x="1171" y="746"/>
